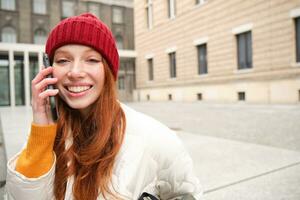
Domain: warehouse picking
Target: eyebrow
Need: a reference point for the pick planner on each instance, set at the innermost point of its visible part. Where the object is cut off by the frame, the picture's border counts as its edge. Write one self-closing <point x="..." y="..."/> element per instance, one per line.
<point x="64" y="51"/>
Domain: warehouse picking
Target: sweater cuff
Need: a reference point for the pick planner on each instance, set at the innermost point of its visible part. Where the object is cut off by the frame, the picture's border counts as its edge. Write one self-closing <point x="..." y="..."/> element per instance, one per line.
<point x="41" y="136"/>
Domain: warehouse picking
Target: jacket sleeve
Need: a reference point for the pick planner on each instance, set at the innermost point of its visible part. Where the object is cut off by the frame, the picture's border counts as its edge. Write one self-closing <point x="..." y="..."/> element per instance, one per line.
<point x="30" y="173"/>
<point x="19" y="187"/>
<point x="178" y="178"/>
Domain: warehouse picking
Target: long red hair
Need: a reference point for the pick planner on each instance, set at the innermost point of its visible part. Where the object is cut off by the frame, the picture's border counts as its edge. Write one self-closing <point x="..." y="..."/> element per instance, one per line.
<point x="96" y="140"/>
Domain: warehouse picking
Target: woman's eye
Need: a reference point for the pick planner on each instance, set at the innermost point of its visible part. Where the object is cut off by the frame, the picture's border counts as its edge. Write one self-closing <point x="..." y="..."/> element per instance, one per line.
<point x="61" y="61"/>
<point x="92" y="60"/>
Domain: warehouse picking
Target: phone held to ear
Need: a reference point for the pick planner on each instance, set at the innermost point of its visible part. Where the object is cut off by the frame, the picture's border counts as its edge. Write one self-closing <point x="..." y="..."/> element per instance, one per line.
<point x="53" y="108"/>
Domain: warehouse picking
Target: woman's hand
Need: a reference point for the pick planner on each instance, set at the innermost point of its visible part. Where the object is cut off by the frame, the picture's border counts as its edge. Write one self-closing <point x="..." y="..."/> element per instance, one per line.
<point x="40" y="96"/>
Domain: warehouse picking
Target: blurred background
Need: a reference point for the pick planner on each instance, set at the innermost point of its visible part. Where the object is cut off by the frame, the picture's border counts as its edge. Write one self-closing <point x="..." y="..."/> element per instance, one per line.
<point x="225" y="75"/>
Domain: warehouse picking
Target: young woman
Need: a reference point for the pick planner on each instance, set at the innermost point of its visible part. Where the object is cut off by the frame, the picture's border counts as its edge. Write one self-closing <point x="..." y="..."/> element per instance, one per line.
<point x="98" y="148"/>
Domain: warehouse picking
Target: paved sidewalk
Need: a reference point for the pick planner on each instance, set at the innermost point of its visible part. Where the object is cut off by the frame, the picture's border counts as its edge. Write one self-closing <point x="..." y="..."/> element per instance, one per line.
<point x="230" y="167"/>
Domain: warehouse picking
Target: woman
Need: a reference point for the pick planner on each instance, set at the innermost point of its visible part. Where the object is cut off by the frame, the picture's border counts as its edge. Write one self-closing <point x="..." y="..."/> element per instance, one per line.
<point x="98" y="148"/>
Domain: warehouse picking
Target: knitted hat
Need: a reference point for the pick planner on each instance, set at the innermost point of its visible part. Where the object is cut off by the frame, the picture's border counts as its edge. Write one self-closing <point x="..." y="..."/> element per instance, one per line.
<point x="85" y="29"/>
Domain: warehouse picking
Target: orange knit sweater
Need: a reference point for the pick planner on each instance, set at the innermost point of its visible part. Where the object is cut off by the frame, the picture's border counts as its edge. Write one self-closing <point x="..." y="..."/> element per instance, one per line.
<point x="38" y="156"/>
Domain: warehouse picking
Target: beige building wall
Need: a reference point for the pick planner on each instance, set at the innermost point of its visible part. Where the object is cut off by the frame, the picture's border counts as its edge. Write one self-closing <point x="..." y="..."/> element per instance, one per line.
<point x="274" y="77"/>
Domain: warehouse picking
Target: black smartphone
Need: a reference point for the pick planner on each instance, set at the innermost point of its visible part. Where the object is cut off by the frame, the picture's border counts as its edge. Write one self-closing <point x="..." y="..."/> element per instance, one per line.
<point x="54" y="112"/>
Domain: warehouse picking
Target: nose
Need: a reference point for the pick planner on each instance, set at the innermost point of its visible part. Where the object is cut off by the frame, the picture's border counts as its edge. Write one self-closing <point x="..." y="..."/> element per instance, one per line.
<point x="76" y="70"/>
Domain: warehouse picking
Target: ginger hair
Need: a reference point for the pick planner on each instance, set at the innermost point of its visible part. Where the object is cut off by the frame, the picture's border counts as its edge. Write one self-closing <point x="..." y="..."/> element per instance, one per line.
<point x="96" y="141"/>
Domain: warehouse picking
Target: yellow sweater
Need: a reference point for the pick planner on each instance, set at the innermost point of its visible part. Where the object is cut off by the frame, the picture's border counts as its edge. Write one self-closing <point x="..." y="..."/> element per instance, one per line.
<point x="38" y="156"/>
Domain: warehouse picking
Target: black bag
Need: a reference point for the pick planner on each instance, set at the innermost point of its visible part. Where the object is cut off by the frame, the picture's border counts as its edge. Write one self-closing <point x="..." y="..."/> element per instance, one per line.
<point x="147" y="196"/>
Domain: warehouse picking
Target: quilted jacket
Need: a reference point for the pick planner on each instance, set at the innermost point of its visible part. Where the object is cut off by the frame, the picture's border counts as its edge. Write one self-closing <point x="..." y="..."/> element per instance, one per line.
<point x="152" y="159"/>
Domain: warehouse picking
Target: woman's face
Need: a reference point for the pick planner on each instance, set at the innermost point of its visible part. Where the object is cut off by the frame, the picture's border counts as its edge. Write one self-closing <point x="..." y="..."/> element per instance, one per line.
<point x="80" y="73"/>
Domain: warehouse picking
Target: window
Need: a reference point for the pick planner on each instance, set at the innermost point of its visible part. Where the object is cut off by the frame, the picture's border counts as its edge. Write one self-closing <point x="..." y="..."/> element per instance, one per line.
<point x="171" y="8"/>
<point x="19" y="80"/>
<point x="200" y="2"/>
<point x="298" y="39"/>
<point x="40" y="36"/>
<point x="8" y="4"/>
<point x="150" y="69"/>
<point x="149" y="14"/>
<point x="202" y="60"/>
<point x="4" y="80"/>
<point x="172" y="59"/>
<point x="8" y="35"/>
<point x="121" y="83"/>
<point x="33" y="68"/>
<point x="244" y="44"/>
<point x="117" y="15"/>
<point x="241" y="96"/>
<point x="68" y="8"/>
<point x="119" y="40"/>
<point x="199" y="96"/>
<point x="39" y="6"/>
<point x="94" y="9"/>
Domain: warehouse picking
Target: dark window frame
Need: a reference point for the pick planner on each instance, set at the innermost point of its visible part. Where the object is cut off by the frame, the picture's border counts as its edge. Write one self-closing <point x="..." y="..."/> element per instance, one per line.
<point x="199" y="96"/>
<point x="172" y="64"/>
<point x="150" y="69"/>
<point x="242" y="96"/>
<point x="202" y="62"/>
<point x="169" y="9"/>
<point x="244" y="50"/>
<point x="297" y="32"/>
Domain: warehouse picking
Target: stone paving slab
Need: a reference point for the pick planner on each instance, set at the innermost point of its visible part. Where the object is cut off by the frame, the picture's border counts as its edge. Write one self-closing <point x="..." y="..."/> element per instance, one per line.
<point x="281" y="185"/>
<point x="225" y="166"/>
<point x="16" y="125"/>
<point x="273" y="125"/>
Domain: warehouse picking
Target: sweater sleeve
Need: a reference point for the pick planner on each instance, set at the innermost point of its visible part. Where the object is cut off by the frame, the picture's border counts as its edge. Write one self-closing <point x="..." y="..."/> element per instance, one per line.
<point x="37" y="158"/>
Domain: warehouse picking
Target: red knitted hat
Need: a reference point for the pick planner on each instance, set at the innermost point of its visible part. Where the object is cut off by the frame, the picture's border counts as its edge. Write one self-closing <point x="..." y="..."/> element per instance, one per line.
<point x="85" y="29"/>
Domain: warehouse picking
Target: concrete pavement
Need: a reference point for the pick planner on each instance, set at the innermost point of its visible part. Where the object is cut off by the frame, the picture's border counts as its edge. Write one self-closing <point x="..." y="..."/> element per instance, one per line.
<point x="235" y="148"/>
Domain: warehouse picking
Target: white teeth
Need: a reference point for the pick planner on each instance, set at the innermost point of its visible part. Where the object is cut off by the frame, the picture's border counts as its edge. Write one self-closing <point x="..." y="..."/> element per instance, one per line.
<point x="78" y="88"/>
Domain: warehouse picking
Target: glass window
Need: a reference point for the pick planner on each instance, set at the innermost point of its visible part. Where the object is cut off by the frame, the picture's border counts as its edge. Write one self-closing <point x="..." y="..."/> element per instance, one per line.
<point x="19" y="80"/>
<point x="200" y="1"/>
<point x="94" y="9"/>
<point x="244" y="44"/>
<point x="202" y="59"/>
<point x="40" y="36"/>
<point x="39" y="6"/>
<point x="117" y="15"/>
<point x="241" y="96"/>
<point x="4" y="81"/>
<point x="8" y="35"/>
<point x="121" y="83"/>
<point x="68" y="8"/>
<point x="150" y="69"/>
<point x="298" y="39"/>
<point x="8" y="4"/>
<point x="119" y="40"/>
<point x="172" y="60"/>
<point x="171" y="8"/>
<point x="33" y="67"/>
<point x="149" y="14"/>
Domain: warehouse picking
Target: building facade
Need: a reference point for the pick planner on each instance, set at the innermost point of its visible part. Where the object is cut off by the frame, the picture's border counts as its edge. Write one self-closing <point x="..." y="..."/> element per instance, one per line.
<point x="24" y="26"/>
<point x="218" y="51"/>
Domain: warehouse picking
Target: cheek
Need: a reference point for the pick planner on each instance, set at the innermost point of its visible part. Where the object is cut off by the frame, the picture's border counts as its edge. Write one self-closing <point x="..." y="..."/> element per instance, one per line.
<point x="58" y="73"/>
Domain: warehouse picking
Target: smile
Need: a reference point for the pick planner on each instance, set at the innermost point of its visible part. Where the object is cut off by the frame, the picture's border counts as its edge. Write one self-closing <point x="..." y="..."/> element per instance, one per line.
<point x="78" y="89"/>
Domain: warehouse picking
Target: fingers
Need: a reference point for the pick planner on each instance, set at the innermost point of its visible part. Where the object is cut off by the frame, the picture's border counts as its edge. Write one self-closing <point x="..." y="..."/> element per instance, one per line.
<point x="44" y="83"/>
<point x="42" y="74"/>
<point x="48" y="93"/>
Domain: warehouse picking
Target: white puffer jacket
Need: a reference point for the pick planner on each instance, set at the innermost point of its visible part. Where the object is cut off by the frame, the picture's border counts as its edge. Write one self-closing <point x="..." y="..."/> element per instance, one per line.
<point x="152" y="159"/>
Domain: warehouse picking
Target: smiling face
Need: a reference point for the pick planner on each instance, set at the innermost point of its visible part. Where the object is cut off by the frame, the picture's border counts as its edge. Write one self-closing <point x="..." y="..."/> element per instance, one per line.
<point x="80" y="73"/>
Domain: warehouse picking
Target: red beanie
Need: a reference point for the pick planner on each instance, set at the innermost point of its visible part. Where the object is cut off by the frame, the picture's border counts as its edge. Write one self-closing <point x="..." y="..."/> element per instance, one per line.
<point x="85" y="29"/>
